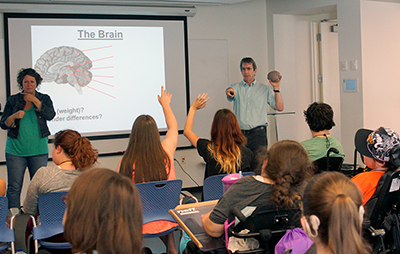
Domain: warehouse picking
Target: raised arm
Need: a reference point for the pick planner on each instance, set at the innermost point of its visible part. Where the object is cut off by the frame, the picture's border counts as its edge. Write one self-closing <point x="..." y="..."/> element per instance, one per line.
<point x="199" y="103"/>
<point x="171" y="139"/>
<point x="278" y="95"/>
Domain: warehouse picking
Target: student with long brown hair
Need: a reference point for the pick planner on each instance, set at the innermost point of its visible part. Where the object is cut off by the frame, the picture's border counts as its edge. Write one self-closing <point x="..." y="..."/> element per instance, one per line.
<point x="225" y="153"/>
<point x="285" y="169"/>
<point x="103" y="214"/>
<point x="333" y="214"/>
<point x="147" y="159"/>
<point x="72" y="154"/>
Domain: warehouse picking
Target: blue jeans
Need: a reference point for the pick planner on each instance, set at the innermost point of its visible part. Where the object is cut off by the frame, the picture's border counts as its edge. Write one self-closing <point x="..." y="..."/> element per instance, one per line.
<point x="16" y="166"/>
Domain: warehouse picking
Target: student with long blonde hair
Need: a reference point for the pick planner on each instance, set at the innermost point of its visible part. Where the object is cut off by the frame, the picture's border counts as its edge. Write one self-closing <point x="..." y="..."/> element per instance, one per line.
<point x="333" y="214"/>
<point x="147" y="159"/>
<point x="225" y="153"/>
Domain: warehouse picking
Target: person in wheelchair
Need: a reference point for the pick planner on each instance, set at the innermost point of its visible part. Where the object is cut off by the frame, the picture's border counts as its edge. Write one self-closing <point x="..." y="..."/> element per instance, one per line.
<point x="319" y="117"/>
<point x="284" y="172"/>
<point x="333" y="215"/>
<point x="375" y="147"/>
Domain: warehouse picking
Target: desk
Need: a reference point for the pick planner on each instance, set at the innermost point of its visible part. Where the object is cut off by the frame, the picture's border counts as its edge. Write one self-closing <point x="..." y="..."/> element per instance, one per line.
<point x="276" y="122"/>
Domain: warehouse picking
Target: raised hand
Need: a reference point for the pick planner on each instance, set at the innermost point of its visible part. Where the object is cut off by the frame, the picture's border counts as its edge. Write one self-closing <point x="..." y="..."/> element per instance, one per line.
<point x="276" y="84"/>
<point x="200" y="101"/>
<point x="165" y="98"/>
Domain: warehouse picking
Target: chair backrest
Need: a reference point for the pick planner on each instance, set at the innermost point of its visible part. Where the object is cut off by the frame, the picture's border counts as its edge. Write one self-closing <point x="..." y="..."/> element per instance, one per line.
<point x="329" y="163"/>
<point x="270" y="217"/>
<point x="213" y="187"/>
<point x="385" y="199"/>
<point x="6" y="234"/>
<point x="158" y="198"/>
<point x="51" y="210"/>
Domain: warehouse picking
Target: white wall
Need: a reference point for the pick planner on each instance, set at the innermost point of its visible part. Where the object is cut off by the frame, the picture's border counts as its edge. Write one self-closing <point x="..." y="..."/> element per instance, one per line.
<point x="381" y="62"/>
<point x="367" y="34"/>
<point x="293" y="60"/>
<point x="349" y="36"/>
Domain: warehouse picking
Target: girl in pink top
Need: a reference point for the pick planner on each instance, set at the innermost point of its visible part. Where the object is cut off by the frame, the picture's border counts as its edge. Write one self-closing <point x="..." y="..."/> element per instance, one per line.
<point x="147" y="159"/>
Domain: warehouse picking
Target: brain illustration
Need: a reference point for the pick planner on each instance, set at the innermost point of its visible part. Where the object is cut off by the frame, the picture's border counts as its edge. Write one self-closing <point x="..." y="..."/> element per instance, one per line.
<point x="65" y="65"/>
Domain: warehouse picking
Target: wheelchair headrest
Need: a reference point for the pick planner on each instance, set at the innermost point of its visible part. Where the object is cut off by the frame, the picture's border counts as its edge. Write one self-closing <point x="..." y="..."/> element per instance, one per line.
<point x="395" y="156"/>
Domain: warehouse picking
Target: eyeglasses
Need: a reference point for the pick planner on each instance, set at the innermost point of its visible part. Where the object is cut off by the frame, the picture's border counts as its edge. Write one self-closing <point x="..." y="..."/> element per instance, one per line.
<point x="65" y="199"/>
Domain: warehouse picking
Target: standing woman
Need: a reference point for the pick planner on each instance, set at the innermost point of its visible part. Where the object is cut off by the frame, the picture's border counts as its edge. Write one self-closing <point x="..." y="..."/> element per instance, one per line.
<point x="147" y="159"/>
<point x="225" y="153"/>
<point x="25" y="118"/>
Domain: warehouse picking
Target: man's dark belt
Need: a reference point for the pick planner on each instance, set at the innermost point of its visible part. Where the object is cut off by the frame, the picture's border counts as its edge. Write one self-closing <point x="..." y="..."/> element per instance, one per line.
<point x="245" y="132"/>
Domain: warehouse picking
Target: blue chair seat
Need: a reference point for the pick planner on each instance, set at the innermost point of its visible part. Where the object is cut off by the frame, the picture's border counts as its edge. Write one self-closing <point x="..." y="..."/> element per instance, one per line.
<point x="157" y="199"/>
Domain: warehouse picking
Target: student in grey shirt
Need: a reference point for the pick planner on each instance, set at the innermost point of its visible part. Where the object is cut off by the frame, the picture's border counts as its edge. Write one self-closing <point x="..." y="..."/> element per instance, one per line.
<point x="72" y="154"/>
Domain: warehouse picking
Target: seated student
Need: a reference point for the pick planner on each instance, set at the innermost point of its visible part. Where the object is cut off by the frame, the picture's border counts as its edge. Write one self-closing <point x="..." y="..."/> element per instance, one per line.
<point x="333" y="215"/>
<point x="375" y="147"/>
<point x="147" y="159"/>
<point x="3" y="187"/>
<point x="72" y="154"/>
<point x="284" y="171"/>
<point x="319" y="117"/>
<point x="225" y="153"/>
<point x="104" y="214"/>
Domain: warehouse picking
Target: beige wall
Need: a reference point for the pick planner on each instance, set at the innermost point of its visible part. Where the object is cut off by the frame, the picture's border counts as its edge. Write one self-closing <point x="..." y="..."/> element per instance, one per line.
<point x="381" y="62"/>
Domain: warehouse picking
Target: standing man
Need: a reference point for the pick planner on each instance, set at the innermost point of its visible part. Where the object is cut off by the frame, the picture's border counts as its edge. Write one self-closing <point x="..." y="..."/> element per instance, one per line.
<point x="250" y="99"/>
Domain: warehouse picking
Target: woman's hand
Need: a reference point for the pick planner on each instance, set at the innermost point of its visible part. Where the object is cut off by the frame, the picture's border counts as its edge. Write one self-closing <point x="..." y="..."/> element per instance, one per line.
<point x="165" y="98"/>
<point x="18" y="115"/>
<point x="200" y="101"/>
<point x="29" y="97"/>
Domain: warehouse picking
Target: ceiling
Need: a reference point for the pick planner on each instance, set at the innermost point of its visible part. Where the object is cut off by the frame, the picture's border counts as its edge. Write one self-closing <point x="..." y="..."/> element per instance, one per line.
<point x="127" y="2"/>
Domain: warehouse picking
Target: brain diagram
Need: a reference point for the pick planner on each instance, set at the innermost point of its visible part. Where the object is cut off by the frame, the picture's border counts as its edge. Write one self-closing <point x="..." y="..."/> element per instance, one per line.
<point x="65" y="65"/>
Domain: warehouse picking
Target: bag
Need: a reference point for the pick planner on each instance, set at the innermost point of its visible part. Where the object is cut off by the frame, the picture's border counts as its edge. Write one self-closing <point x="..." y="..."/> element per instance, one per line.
<point x="183" y="242"/>
<point x="296" y="240"/>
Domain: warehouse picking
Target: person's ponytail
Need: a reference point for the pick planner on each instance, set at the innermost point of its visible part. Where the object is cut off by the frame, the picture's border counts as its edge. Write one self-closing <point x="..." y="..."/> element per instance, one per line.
<point x="344" y="227"/>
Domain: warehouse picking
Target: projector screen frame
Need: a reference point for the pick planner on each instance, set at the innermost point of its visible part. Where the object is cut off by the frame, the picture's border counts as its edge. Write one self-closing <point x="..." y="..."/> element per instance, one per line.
<point x="9" y="75"/>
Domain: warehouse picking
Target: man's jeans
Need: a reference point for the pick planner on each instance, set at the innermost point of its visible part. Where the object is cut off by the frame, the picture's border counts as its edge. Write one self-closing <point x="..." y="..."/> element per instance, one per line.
<point x="16" y="166"/>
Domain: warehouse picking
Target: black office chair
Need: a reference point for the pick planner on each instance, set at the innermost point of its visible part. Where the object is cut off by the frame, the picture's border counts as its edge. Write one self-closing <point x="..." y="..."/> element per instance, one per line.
<point x="328" y="163"/>
<point x="267" y="224"/>
<point x="382" y="210"/>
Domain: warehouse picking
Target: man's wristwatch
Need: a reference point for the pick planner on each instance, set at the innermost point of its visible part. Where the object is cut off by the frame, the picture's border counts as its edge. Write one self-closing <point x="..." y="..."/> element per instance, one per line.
<point x="277" y="91"/>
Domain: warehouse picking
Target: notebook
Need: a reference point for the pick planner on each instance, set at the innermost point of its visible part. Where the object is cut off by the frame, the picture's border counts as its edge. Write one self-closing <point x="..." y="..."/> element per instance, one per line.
<point x="188" y="217"/>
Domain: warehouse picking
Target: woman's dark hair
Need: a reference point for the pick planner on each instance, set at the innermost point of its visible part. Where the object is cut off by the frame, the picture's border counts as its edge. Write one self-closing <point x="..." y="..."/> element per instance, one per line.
<point x="336" y="201"/>
<point x="288" y="165"/>
<point x="31" y="72"/>
<point x="103" y="213"/>
<point x="319" y="117"/>
<point x="226" y="139"/>
<point x="77" y="148"/>
<point x="145" y="153"/>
